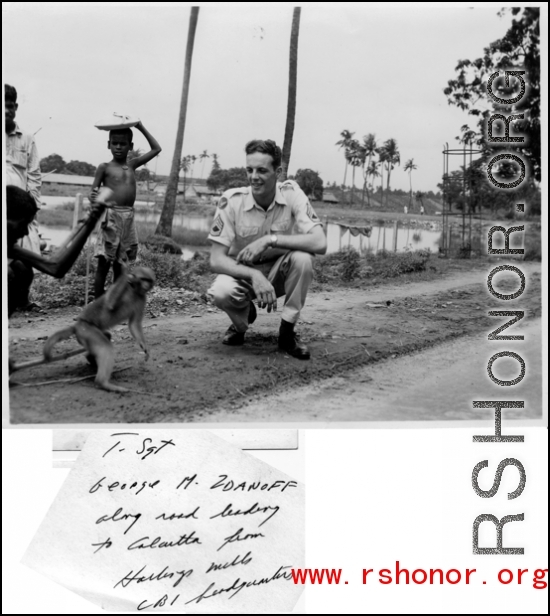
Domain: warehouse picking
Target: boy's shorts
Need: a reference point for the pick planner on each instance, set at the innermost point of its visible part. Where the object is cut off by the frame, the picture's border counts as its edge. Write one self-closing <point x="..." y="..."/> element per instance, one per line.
<point x="118" y="239"/>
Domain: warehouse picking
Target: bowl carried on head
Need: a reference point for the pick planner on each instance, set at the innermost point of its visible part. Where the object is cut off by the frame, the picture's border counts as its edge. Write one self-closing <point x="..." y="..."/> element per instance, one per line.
<point x="118" y="121"/>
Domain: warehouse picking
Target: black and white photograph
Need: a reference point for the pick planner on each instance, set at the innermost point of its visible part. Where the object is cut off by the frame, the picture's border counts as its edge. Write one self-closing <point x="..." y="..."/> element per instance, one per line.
<point x="239" y="216"/>
<point x="321" y="225"/>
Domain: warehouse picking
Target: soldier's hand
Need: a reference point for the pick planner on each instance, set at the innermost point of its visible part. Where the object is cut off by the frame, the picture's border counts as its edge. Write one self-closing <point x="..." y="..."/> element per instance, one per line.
<point x="265" y="293"/>
<point x="93" y="195"/>
<point x="251" y="253"/>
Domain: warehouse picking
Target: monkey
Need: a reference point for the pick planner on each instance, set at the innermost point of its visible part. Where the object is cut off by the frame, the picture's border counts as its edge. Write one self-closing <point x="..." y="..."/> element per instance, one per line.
<point x="125" y="299"/>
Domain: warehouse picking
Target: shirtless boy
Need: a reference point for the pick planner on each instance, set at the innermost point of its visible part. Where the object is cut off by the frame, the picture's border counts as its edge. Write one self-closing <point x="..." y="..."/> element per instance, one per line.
<point x="118" y="240"/>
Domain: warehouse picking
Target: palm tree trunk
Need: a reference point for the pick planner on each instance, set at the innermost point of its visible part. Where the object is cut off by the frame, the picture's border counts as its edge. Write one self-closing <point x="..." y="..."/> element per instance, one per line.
<point x="291" y="105"/>
<point x="410" y="191"/>
<point x="382" y="184"/>
<point x="364" y="186"/>
<point x="164" y="226"/>
<point x="366" y="181"/>
<point x="345" y="172"/>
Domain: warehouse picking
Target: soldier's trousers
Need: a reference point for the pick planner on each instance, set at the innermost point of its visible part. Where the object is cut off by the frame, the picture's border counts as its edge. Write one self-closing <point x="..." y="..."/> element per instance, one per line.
<point x="290" y="275"/>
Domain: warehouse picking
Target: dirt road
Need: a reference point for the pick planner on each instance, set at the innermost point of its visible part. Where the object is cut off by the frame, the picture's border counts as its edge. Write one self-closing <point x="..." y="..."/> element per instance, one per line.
<point x="372" y="359"/>
<point x="439" y="383"/>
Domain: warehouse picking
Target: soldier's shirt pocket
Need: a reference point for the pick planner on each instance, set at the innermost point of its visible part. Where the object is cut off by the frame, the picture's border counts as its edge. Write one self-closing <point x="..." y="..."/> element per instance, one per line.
<point x="247" y="231"/>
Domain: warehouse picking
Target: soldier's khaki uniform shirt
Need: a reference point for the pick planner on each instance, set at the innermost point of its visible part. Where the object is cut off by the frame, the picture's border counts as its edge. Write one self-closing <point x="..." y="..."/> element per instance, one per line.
<point x="240" y="220"/>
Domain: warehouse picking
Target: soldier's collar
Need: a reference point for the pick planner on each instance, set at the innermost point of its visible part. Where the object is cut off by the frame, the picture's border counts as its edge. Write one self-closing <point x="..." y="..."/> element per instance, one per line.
<point x="250" y="203"/>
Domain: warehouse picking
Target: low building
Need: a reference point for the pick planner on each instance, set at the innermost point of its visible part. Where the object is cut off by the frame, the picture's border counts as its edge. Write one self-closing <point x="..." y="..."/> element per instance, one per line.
<point x="65" y="179"/>
<point x="329" y="197"/>
<point x="200" y="192"/>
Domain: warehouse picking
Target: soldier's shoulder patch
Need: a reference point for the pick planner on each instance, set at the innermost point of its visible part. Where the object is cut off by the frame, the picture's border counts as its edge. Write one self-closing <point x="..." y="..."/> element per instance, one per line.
<point x="288" y="184"/>
<point x="222" y="203"/>
<point x="235" y="191"/>
<point x="217" y="226"/>
<point x="311" y="213"/>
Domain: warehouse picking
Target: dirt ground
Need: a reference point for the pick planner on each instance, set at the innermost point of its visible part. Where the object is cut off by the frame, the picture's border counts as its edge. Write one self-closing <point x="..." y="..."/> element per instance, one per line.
<point x="192" y="377"/>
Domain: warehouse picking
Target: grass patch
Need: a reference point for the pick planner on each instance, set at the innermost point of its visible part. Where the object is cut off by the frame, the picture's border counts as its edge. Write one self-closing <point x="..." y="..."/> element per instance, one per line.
<point x="196" y="209"/>
<point x="533" y="246"/>
<point x="50" y="292"/>
<point x="347" y="266"/>
<point x="58" y="217"/>
<point x="344" y="268"/>
<point x="171" y="272"/>
<point x="183" y="237"/>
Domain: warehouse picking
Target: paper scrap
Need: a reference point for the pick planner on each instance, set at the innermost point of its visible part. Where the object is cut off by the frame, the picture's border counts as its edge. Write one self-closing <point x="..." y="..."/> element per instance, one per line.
<point x="173" y="520"/>
<point x="74" y="439"/>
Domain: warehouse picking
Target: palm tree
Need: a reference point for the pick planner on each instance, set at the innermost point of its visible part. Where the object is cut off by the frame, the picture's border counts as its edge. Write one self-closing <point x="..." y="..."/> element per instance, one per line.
<point x="192" y="159"/>
<point x="392" y="158"/>
<point x="344" y="143"/>
<point x="418" y="196"/>
<point x="382" y="157"/>
<point x="164" y="226"/>
<point x="184" y="166"/>
<point x="354" y="156"/>
<point x="372" y="171"/>
<point x="361" y="156"/>
<point x="368" y="149"/>
<point x="410" y="167"/>
<point x="202" y="157"/>
<point x="291" y="103"/>
<point x="215" y="162"/>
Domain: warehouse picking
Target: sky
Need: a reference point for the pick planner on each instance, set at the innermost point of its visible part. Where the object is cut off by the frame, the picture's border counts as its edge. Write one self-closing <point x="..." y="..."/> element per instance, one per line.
<point x="363" y="67"/>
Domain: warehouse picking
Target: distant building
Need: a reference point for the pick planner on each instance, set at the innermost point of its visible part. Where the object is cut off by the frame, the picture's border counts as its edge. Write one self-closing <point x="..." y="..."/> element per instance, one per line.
<point x="194" y="189"/>
<point x="64" y="179"/>
<point x="199" y="192"/>
<point x="329" y="197"/>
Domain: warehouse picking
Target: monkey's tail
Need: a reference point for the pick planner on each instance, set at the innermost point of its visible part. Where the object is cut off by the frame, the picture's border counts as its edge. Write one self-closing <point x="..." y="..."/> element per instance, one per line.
<point x="62" y="334"/>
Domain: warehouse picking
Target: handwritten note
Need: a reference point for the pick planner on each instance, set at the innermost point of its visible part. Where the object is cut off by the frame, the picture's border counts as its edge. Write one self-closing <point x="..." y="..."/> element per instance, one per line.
<point x="175" y="520"/>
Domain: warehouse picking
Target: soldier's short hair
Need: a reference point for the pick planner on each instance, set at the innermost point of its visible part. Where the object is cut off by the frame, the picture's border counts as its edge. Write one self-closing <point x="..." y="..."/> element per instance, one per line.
<point x="266" y="146"/>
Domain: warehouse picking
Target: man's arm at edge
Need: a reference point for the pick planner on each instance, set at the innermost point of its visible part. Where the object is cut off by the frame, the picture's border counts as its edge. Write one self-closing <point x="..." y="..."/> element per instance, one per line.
<point x="59" y="263"/>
